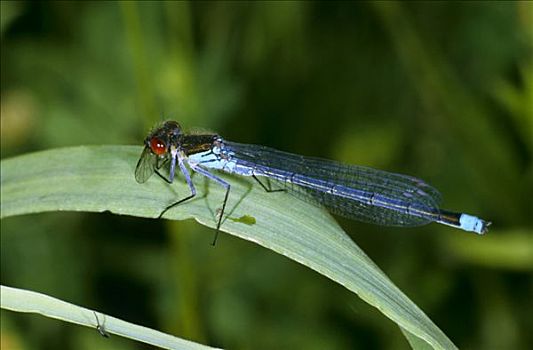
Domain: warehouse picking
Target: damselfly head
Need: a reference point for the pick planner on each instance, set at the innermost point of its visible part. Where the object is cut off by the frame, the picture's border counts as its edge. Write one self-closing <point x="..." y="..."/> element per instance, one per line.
<point x="162" y="137"/>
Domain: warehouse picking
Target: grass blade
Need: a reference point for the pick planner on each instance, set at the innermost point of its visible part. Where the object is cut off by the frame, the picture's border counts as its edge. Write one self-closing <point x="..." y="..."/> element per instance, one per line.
<point x="21" y="300"/>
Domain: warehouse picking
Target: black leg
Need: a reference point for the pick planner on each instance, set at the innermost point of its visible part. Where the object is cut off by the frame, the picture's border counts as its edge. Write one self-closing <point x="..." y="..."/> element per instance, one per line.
<point x="268" y="189"/>
<point x="185" y="173"/>
<point x="158" y="164"/>
<point x="221" y="215"/>
<point x="177" y="203"/>
<point x="226" y="185"/>
<point x="163" y="177"/>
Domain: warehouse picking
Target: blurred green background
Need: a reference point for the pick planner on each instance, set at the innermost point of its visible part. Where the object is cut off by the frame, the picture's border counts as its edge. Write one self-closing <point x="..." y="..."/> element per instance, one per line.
<point x="443" y="91"/>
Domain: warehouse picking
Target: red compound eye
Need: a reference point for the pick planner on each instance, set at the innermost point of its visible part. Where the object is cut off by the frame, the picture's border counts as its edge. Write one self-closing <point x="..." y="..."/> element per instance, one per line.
<point x="157" y="146"/>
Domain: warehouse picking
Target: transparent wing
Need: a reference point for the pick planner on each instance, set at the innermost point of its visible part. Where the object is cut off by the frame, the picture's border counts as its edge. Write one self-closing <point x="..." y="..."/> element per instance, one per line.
<point x="401" y="191"/>
<point x="145" y="166"/>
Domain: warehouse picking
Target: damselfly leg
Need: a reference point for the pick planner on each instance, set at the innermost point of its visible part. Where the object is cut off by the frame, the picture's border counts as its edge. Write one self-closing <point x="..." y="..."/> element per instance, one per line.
<point x="225" y="184"/>
<point x="158" y="165"/>
<point x="197" y="168"/>
<point x="187" y="175"/>
<point x="268" y="188"/>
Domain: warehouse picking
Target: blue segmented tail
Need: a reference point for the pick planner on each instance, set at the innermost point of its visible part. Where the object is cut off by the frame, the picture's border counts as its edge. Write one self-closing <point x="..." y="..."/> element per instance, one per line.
<point x="464" y="221"/>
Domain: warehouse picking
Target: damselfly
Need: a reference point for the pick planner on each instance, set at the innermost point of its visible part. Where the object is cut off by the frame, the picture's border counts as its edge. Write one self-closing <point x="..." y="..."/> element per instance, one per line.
<point x="352" y="191"/>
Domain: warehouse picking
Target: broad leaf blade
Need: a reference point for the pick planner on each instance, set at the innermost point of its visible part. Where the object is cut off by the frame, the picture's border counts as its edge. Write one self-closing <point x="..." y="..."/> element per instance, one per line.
<point x="101" y="178"/>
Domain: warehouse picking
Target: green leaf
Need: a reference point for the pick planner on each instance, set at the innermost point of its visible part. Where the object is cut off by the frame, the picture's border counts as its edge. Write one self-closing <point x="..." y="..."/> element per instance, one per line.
<point x="21" y="300"/>
<point x="415" y="342"/>
<point x="100" y="178"/>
